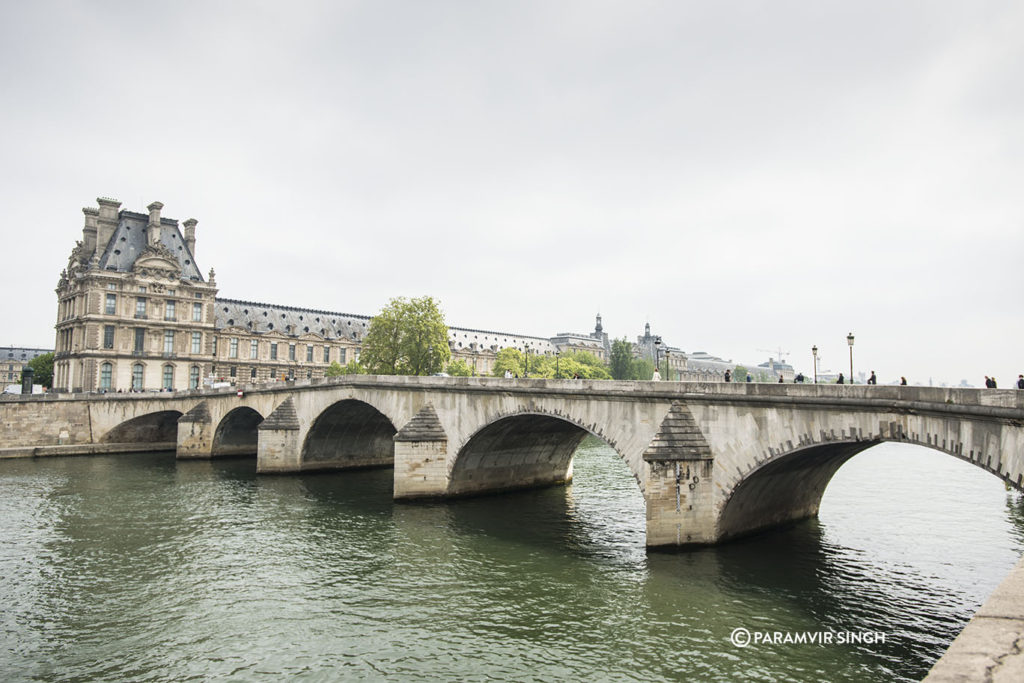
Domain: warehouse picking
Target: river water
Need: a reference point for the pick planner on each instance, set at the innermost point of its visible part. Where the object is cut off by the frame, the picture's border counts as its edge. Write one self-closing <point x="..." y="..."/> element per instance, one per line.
<point x="138" y="567"/>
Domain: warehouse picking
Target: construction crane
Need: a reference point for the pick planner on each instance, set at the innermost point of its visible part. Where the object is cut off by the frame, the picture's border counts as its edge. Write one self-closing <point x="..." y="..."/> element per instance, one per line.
<point x="781" y="354"/>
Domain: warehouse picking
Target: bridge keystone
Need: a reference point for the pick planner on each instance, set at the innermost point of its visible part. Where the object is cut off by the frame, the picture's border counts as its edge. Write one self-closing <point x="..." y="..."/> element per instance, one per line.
<point x="421" y="452"/>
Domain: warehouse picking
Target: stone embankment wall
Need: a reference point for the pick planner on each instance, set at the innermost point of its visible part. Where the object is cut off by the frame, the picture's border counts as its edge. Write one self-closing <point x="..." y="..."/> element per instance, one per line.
<point x="23" y="424"/>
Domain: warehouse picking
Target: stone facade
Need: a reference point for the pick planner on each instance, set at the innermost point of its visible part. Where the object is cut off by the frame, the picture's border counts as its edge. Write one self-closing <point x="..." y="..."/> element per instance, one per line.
<point x="134" y="313"/>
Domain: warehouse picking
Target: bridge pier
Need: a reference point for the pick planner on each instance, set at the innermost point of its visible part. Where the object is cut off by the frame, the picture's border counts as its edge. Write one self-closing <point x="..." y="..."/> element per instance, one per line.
<point x="279" y="449"/>
<point x="680" y="505"/>
<point x="678" y="488"/>
<point x="195" y="434"/>
<point x="421" y="454"/>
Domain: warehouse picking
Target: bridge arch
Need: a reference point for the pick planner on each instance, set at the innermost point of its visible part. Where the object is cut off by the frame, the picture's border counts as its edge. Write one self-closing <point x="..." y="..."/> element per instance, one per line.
<point x="790" y="485"/>
<point x="521" y="450"/>
<point x="349" y="433"/>
<point x="156" y="427"/>
<point x="237" y="433"/>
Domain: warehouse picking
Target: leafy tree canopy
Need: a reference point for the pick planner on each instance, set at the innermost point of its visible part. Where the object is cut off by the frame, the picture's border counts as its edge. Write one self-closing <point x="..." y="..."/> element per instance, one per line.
<point x="42" y="366"/>
<point x="459" y="368"/>
<point x="568" y="364"/>
<point x="508" y="359"/>
<point x="622" y="359"/>
<point x="408" y="337"/>
<point x="353" y="367"/>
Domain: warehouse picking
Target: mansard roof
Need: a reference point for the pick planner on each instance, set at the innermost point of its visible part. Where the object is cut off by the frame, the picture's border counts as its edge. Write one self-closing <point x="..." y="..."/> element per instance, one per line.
<point x="461" y="337"/>
<point x="289" y="320"/>
<point x="9" y="353"/>
<point x="129" y="242"/>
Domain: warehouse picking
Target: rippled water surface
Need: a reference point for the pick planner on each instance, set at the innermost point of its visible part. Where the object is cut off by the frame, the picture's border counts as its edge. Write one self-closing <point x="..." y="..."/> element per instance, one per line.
<point x="139" y="567"/>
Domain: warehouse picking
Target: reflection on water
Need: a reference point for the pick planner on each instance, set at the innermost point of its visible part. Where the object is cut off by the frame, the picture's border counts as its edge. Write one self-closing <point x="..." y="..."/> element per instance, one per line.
<point x="140" y="567"/>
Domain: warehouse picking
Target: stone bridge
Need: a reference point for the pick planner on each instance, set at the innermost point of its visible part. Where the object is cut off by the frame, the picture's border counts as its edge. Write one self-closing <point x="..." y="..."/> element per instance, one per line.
<point x="713" y="461"/>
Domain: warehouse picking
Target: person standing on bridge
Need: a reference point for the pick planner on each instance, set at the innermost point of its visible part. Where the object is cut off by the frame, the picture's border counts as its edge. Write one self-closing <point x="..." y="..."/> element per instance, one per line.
<point x="872" y="379"/>
<point x="840" y="380"/>
<point x="656" y="377"/>
<point x="728" y="375"/>
<point x="1020" y="381"/>
<point x="903" y="381"/>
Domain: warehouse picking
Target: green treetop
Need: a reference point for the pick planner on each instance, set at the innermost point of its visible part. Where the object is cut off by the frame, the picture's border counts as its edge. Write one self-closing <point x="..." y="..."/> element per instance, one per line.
<point x="408" y="337"/>
<point x="42" y="366"/>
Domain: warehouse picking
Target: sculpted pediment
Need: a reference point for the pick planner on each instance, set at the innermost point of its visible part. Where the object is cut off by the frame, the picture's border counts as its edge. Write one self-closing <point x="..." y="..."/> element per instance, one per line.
<point x="157" y="261"/>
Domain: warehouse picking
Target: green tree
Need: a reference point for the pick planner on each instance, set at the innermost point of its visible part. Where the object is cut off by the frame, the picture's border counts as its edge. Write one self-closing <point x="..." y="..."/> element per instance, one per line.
<point x="353" y="368"/>
<point x="622" y="359"/>
<point x="42" y="366"/>
<point x="739" y="374"/>
<point x="334" y="370"/>
<point x="585" y="364"/>
<point x="642" y="369"/>
<point x="408" y="337"/>
<point x="510" y="359"/>
<point x="459" y="368"/>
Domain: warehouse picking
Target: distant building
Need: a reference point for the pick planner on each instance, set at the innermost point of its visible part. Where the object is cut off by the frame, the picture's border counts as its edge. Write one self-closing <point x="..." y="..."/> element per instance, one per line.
<point x="774" y="368"/>
<point x="134" y="312"/>
<point x="710" y="368"/>
<point x="13" y="360"/>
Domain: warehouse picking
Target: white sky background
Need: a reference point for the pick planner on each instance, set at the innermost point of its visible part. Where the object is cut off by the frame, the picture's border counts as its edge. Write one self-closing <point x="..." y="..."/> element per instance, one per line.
<point x="747" y="176"/>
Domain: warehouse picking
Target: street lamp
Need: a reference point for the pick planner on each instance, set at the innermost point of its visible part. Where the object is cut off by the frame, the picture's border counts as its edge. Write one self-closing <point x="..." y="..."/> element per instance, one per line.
<point x="849" y="340"/>
<point x="558" y="374"/>
<point x="657" y="354"/>
<point x="526" y="372"/>
<point x="814" y="352"/>
<point x="668" y="373"/>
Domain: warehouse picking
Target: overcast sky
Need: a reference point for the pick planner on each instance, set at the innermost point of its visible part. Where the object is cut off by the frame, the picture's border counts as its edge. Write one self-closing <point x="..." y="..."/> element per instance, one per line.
<point x="746" y="176"/>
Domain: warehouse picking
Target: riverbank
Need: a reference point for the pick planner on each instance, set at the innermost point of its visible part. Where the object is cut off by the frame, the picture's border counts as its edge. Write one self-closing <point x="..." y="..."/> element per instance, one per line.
<point x="85" y="449"/>
<point x="991" y="646"/>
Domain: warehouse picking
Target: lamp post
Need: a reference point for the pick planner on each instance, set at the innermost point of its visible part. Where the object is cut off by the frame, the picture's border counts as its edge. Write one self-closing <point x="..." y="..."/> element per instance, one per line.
<point x="849" y="340"/>
<point x="657" y="354"/>
<point x="526" y="372"/>
<point x="430" y="355"/>
<point x="814" y="352"/>
<point x="558" y="374"/>
<point x="668" y="371"/>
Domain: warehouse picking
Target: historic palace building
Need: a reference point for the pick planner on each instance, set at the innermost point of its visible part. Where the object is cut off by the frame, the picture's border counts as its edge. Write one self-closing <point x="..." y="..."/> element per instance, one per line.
<point x="135" y="312"/>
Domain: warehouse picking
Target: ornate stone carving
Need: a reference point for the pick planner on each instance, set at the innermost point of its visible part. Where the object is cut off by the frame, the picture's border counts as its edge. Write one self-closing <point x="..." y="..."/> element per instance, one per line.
<point x="157" y="261"/>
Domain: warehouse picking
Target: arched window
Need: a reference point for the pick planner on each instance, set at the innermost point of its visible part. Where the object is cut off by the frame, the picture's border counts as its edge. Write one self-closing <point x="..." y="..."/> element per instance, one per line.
<point x="106" y="371"/>
<point x="193" y="377"/>
<point x="137" y="371"/>
<point x="168" y="377"/>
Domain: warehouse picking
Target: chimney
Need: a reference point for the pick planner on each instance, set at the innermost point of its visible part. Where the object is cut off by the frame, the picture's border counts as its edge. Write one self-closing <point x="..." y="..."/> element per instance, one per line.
<point x="89" y="231"/>
<point x="107" y="221"/>
<point x="154" y="223"/>
<point x="190" y="236"/>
